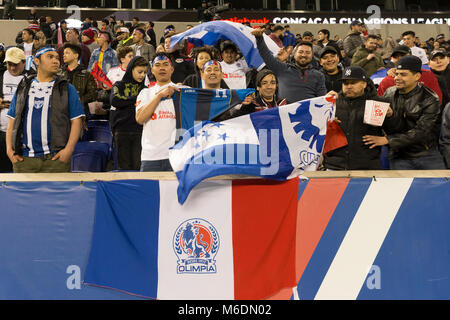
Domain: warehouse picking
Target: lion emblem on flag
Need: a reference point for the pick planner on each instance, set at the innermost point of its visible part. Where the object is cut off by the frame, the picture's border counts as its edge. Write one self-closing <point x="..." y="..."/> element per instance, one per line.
<point x="196" y="243"/>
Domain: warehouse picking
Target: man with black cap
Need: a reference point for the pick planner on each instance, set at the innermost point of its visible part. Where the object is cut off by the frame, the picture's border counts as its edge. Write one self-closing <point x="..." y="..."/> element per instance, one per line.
<point x="439" y="65"/>
<point x="357" y="88"/>
<point x="331" y="69"/>
<point x="412" y="131"/>
<point x="427" y="78"/>
<point x="353" y="39"/>
<point x="233" y="70"/>
<point x="298" y="80"/>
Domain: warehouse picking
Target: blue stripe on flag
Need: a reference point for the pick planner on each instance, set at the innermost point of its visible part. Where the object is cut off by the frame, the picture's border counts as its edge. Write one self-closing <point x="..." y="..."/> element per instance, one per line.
<point x="260" y="121"/>
<point x="332" y="238"/>
<point x="414" y="260"/>
<point x="124" y="251"/>
<point x="199" y="167"/>
<point x="301" y="187"/>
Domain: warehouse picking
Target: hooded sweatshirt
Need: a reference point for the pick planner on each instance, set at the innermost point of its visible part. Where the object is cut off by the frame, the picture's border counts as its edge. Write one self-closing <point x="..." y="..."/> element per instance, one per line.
<point x="123" y="98"/>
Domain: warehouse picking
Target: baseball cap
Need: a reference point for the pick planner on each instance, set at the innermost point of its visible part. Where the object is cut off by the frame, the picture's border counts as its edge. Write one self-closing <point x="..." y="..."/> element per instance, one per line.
<point x="307" y="34"/>
<point x="354" y="73"/>
<point x="123" y="30"/>
<point x="327" y="49"/>
<point x="440" y="36"/>
<point x="411" y="63"/>
<point x="438" y="53"/>
<point x="401" y="49"/>
<point x="278" y="27"/>
<point x="14" y="55"/>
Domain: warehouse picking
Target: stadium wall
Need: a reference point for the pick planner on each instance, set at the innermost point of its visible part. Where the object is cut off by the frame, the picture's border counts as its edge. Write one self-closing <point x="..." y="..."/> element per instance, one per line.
<point x="46" y="224"/>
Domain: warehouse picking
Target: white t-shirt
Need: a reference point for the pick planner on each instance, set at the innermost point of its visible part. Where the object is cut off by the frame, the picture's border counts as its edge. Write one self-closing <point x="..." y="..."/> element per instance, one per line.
<point x="10" y="84"/>
<point x="159" y="132"/>
<point x="420" y="53"/>
<point x="234" y="74"/>
<point x="28" y="49"/>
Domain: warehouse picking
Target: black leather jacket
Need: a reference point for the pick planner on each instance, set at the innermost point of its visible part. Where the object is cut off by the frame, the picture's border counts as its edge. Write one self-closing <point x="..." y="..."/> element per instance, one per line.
<point x="413" y="129"/>
<point x="356" y="155"/>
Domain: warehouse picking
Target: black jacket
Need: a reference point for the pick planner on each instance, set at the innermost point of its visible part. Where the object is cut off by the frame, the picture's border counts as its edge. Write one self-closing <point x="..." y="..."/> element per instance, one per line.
<point x="444" y="83"/>
<point x="356" y="155"/>
<point x="123" y="98"/>
<point x="333" y="82"/>
<point x="413" y="129"/>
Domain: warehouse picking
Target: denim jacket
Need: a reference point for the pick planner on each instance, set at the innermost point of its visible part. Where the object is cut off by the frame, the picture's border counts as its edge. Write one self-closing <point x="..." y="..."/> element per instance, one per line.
<point x="109" y="59"/>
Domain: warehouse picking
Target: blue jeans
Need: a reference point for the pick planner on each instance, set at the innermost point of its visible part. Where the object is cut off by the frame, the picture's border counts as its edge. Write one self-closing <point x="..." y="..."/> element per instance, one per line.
<point x="156" y="165"/>
<point x="431" y="161"/>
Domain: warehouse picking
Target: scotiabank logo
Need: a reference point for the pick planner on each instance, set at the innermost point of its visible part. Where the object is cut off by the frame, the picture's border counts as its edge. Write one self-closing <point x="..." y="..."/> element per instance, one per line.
<point x="264" y="20"/>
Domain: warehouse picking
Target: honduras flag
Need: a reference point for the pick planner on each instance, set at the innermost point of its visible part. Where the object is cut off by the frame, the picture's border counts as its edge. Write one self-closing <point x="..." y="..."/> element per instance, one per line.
<point x="378" y="76"/>
<point x="278" y="143"/>
<point x="224" y="243"/>
<point x="210" y="32"/>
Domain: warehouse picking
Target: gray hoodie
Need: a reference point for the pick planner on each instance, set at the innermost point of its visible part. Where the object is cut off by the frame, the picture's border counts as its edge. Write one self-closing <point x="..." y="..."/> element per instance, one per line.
<point x="294" y="84"/>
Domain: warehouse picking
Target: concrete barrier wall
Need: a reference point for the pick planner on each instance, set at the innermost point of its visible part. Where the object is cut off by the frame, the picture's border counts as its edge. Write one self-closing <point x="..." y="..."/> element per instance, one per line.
<point x="10" y="28"/>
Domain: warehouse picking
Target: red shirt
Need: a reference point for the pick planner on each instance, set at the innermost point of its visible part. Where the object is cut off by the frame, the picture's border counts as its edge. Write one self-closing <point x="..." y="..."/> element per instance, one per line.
<point x="276" y="40"/>
<point x="428" y="79"/>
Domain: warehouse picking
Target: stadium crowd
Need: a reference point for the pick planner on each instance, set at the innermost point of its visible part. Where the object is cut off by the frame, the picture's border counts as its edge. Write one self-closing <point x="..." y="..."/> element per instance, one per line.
<point x="53" y="65"/>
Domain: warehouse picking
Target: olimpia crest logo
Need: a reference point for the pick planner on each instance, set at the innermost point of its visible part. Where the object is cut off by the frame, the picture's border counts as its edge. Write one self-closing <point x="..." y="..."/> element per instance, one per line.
<point x="196" y="242"/>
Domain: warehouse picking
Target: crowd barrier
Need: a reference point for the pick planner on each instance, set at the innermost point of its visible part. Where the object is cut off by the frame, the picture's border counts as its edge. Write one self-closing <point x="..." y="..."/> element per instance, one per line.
<point x="360" y="235"/>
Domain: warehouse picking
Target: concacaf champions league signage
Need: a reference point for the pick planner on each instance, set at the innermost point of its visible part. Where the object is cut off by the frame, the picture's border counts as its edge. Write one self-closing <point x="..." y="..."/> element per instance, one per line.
<point x="311" y="19"/>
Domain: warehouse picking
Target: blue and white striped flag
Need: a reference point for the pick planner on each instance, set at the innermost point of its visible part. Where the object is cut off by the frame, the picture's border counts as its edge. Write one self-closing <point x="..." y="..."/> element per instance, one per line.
<point x="378" y="76"/>
<point x="210" y="32"/>
<point x="277" y="143"/>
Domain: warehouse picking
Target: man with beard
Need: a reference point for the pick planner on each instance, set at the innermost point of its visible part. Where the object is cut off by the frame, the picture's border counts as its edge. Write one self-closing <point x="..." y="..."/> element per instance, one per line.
<point x="412" y="132"/>
<point x="367" y="58"/>
<point x="331" y="69"/>
<point x="297" y="81"/>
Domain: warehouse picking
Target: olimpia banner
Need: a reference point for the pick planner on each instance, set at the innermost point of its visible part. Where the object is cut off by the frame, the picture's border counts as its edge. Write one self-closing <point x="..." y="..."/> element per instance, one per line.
<point x="353" y="239"/>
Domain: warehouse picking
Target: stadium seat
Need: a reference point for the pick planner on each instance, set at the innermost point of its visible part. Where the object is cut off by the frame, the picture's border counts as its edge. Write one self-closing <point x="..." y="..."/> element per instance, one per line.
<point x="384" y="158"/>
<point x="99" y="133"/>
<point x="90" y="156"/>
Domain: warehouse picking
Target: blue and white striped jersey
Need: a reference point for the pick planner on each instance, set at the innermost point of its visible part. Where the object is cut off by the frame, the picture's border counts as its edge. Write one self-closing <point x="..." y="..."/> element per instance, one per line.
<point x="36" y="127"/>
